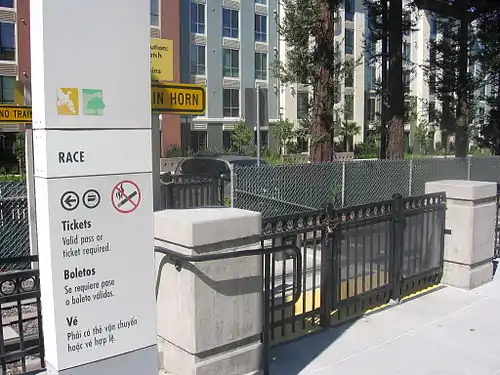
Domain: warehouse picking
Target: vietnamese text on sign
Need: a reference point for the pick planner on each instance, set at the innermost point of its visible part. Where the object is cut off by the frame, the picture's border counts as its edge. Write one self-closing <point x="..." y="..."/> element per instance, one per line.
<point x="15" y="114"/>
<point x="178" y="99"/>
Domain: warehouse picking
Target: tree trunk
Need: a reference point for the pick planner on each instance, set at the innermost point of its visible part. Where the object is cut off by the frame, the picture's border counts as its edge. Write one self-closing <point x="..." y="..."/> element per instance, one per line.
<point x="461" y="136"/>
<point x="396" y="91"/>
<point x="383" y="110"/>
<point x="323" y="101"/>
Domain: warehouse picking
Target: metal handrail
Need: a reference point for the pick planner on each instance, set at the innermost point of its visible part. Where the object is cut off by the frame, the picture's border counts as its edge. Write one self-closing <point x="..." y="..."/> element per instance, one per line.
<point x="178" y="258"/>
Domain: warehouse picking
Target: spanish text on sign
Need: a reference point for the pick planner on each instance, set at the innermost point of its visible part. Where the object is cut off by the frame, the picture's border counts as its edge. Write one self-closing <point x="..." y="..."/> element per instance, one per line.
<point x="15" y="114"/>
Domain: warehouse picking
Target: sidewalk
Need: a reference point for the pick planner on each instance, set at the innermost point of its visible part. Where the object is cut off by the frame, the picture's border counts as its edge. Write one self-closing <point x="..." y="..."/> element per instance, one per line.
<point x="447" y="332"/>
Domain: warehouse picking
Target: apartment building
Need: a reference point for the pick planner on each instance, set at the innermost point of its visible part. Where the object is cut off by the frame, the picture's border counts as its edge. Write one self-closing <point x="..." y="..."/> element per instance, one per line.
<point x="228" y="45"/>
<point x="8" y="68"/>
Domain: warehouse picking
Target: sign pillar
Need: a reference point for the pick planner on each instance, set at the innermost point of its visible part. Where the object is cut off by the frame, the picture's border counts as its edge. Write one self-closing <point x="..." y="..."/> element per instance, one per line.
<point x="93" y="182"/>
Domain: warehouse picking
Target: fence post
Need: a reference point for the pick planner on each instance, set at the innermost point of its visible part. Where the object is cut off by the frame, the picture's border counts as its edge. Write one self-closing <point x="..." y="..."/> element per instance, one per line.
<point x="397" y="245"/>
<point x="469" y="166"/>
<point x="343" y="183"/>
<point x="410" y="182"/>
<point x="232" y="185"/>
<point x="327" y="280"/>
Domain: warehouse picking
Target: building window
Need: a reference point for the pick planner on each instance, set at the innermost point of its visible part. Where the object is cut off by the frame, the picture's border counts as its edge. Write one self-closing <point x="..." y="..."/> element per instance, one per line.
<point x="302" y="143"/>
<point x="481" y="116"/>
<point x="154" y="10"/>
<point x="349" y="10"/>
<point x="230" y="62"/>
<point x="407" y="81"/>
<point x="227" y="142"/>
<point x="260" y="28"/>
<point x="198" y="64"/>
<point x="482" y="91"/>
<point x="371" y="109"/>
<point x="197" y="18"/>
<point x="406" y="52"/>
<point x="231" y="103"/>
<point x="349" y="77"/>
<point x="349" y="41"/>
<point x="7" y="40"/>
<point x="348" y="108"/>
<point x="198" y="141"/>
<point x="10" y="3"/>
<point x="263" y="2"/>
<point x="432" y="112"/>
<point x="260" y="65"/>
<point x="302" y="105"/>
<point x="433" y="26"/>
<point x="264" y="139"/>
<point x="372" y="78"/>
<point x="407" y="24"/>
<point x="230" y="28"/>
<point x="7" y="84"/>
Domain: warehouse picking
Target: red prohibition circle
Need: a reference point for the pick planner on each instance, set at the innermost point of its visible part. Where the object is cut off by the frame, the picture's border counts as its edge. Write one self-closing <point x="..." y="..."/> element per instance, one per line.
<point x="119" y="197"/>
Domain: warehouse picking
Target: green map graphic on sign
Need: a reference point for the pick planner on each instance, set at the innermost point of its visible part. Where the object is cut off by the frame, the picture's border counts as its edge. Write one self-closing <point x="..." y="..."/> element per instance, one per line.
<point x="93" y="102"/>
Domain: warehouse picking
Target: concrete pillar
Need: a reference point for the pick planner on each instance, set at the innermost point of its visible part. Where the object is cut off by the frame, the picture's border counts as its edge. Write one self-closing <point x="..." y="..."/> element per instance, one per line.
<point x="209" y="313"/>
<point x="470" y="217"/>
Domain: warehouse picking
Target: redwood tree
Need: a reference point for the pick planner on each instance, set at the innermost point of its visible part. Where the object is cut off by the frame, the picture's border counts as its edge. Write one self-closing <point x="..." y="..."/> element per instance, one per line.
<point x="313" y="58"/>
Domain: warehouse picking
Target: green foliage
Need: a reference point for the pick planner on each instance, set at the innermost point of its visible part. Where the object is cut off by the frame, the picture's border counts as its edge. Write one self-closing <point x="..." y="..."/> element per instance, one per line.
<point x="347" y="131"/>
<point x="19" y="149"/>
<point x="9" y="177"/>
<point x="369" y="148"/>
<point x="241" y="137"/>
<point x="173" y="151"/>
<point x="284" y="131"/>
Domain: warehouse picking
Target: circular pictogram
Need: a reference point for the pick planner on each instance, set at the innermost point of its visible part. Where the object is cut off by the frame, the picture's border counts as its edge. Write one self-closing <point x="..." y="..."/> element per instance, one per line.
<point x="126" y="196"/>
<point x="91" y="198"/>
<point x="70" y="200"/>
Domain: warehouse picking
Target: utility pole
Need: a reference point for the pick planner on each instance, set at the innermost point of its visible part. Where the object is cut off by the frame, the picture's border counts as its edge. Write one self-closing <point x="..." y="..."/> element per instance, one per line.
<point x="257" y="127"/>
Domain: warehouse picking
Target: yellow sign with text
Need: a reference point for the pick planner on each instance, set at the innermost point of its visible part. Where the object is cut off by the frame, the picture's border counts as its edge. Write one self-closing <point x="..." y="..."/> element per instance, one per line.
<point x="176" y="98"/>
<point x="13" y="114"/>
<point x="162" y="59"/>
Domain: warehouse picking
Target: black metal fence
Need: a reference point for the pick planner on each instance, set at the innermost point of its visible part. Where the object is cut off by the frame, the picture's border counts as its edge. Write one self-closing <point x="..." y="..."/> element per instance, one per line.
<point x="497" y="226"/>
<point x="21" y="336"/>
<point x="193" y="191"/>
<point x="14" y="223"/>
<point x="353" y="259"/>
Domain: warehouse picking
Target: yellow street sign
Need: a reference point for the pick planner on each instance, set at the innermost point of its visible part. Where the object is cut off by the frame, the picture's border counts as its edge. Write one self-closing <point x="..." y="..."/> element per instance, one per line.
<point x="162" y="59"/>
<point x="178" y="98"/>
<point x="13" y="114"/>
<point x="19" y="93"/>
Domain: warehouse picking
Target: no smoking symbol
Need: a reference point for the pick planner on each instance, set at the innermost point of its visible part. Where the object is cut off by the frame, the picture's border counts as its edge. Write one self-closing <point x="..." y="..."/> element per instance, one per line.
<point x="126" y="196"/>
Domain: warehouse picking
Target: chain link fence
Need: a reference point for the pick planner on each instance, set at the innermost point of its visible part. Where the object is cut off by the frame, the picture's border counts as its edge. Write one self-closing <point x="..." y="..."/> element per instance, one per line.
<point x="14" y="222"/>
<point x="288" y="189"/>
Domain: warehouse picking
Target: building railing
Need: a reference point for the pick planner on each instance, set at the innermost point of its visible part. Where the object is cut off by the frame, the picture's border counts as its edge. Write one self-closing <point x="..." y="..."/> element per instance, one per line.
<point x="185" y="191"/>
<point x="497" y="226"/>
<point x="21" y="336"/>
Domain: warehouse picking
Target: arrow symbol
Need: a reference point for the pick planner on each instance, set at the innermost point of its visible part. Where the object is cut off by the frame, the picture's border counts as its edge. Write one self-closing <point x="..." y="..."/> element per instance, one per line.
<point x="70" y="200"/>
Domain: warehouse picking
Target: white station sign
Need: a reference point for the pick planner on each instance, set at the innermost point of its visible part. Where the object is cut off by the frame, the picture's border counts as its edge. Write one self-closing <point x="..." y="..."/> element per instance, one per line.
<point x="90" y="62"/>
<point x="97" y="243"/>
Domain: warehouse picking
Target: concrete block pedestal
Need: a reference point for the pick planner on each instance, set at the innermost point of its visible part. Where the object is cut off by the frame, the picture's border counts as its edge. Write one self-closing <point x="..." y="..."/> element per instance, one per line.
<point x="209" y="313"/>
<point x="470" y="217"/>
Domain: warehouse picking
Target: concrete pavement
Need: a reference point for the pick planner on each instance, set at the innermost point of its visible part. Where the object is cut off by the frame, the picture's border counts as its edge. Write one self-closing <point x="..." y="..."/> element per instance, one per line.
<point x="449" y="332"/>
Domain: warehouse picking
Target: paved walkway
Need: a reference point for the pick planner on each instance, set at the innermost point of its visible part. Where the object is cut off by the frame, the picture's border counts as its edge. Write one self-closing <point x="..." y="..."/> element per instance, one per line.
<point x="446" y="332"/>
